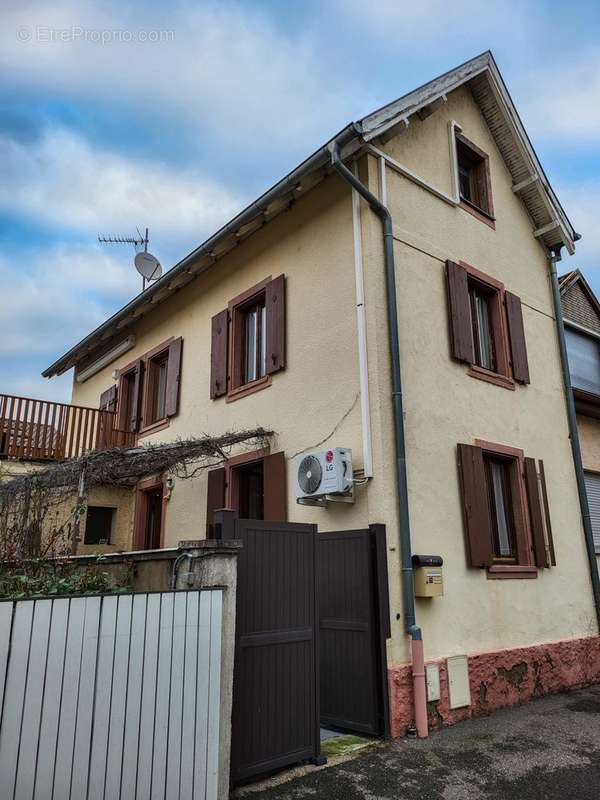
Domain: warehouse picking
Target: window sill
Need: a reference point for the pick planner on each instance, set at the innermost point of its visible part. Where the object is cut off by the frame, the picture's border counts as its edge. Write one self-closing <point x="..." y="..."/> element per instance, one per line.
<point x="491" y="377"/>
<point x="248" y="388"/>
<point x="160" y="425"/>
<point x="478" y="213"/>
<point x="508" y="571"/>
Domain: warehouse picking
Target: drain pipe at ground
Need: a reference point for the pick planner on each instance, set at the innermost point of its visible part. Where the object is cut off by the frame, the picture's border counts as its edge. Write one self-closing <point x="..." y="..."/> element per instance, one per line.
<point x="574" y="432"/>
<point x="412" y="629"/>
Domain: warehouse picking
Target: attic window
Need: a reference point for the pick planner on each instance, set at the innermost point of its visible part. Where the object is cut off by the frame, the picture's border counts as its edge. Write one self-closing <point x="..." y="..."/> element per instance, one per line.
<point x="473" y="176"/>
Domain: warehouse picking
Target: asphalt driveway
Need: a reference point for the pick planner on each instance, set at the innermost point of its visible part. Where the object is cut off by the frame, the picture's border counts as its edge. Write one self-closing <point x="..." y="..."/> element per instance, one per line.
<point x="547" y="749"/>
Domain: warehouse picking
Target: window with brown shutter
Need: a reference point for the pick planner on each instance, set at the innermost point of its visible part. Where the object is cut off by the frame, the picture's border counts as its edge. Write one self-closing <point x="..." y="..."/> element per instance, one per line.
<point x="486" y="326"/>
<point x="253" y="485"/>
<point x="149" y="389"/>
<point x="506" y="514"/>
<point x="248" y="340"/>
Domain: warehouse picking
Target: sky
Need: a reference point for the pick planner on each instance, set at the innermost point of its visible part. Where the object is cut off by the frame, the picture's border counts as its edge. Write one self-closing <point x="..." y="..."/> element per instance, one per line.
<point x="121" y="115"/>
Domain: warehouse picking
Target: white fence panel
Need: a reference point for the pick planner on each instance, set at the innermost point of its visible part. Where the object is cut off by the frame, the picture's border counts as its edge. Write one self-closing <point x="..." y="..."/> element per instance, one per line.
<point x="111" y="697"/>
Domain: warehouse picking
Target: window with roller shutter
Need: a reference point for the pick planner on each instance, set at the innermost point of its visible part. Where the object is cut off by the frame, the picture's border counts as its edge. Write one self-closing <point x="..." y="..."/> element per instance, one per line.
<point x="248" y="340"/>
<point x="486" y="326"/>
<point x="592" y="485"/>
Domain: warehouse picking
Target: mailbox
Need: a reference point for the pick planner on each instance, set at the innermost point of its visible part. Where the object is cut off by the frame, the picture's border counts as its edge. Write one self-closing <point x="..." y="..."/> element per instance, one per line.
<point x="428" y="579"/>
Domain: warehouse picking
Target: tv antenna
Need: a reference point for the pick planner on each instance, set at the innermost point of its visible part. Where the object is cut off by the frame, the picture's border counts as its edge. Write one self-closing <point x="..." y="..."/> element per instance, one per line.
<point x="146" y="264"/>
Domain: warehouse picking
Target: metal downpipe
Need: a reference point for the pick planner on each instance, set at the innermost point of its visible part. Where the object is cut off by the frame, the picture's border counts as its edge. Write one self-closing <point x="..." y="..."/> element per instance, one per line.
<point x="574" y="433"/>
<point x="404" y="538"/>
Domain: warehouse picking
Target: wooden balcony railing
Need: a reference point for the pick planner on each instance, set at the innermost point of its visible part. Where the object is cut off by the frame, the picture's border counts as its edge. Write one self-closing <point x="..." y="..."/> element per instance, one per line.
<point x="41" y="430"/>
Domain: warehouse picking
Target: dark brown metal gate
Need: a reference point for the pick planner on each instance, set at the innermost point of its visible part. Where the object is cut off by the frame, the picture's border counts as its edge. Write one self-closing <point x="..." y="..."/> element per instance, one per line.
<point x="354" y="624"/>
<point x="275" y="719"/>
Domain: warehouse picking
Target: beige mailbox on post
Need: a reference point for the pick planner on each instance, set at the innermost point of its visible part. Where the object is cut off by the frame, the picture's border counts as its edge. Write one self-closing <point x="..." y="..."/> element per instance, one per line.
<point x="428" y="579"/>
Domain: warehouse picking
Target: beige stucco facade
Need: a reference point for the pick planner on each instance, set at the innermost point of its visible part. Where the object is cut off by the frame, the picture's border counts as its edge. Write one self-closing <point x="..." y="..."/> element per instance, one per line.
<point x="316" y="399"/>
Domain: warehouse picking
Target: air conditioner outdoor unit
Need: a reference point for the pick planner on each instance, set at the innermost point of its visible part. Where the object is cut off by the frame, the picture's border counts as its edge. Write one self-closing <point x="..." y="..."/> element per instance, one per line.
<point x="326" y="474"/>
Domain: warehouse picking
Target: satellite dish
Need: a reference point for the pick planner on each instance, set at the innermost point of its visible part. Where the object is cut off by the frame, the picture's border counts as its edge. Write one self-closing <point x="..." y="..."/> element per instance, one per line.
<point x="148" y="266"/>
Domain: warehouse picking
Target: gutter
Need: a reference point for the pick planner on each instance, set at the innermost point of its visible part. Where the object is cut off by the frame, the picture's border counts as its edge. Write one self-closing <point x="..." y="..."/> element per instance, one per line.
<point x="404" y="538"/>
<point x="574" y="431"/>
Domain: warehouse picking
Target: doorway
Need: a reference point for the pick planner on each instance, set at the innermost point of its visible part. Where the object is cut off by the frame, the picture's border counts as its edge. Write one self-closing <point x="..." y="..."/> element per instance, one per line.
<point x="148" y="533"/>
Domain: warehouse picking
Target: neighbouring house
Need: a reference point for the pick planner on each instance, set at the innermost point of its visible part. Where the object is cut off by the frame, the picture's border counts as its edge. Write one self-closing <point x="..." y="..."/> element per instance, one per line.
<point x="280" y="320"/>
<point x="581" y="316"/>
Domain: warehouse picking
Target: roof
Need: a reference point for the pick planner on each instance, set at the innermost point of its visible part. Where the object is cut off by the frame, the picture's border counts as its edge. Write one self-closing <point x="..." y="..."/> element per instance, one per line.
<point x="481" y="74"/>
<point x="581" y="307"/>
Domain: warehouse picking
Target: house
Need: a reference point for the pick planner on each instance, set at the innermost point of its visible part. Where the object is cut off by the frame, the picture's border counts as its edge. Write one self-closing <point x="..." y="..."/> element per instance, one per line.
<point x="581" y="317"/>
<point x="286" y="318"/>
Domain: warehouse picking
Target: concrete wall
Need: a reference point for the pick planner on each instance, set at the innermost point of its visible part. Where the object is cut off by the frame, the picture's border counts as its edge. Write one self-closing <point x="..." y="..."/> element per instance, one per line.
<point x="445" y="406"/>
<point x="315" y="400"/>
<point x="318" y="390"/>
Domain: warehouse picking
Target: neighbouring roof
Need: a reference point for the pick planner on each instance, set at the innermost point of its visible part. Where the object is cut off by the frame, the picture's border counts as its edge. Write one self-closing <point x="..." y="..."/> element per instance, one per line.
<point x="480" y="74"/>
<point x="579" y="303"/>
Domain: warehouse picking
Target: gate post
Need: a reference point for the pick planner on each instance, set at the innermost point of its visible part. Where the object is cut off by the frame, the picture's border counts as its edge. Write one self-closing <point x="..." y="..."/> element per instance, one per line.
<point x="224" y="523"/>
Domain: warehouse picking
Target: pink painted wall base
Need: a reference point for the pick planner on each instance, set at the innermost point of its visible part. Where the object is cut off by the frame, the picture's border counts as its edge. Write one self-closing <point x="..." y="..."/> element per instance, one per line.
<point x="499" y="680"/>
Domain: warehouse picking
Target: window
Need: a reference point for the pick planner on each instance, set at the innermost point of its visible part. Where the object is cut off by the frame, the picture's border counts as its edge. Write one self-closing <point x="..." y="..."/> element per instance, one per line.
<point x="486" y="324"/>
<point x="481" y="299"/>
<point x="156" y="392"/>
<point x="148" y="389"/>
<point x="98" y="525"/>
<point x="497" y="474"/>
<point x="254" y="323"/>
<point x="584" y="361"/>
<point x="473" y="175"/>
<point x="250" y="490"/>
<point x="592" y="486"/>
<point x="506" y="512"/>
<point x="253" y="485"/>
<point x="248" y="340"/>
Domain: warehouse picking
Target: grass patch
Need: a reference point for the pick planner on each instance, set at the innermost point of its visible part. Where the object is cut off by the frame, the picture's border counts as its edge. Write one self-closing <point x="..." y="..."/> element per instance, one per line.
<point x="342" y="745"/>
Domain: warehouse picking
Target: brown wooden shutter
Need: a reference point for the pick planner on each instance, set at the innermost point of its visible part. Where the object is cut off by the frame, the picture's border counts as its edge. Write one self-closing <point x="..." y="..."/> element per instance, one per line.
<point x="136" y="395"/>
<point x="215" y="497"/>
<point x="478" y="524"/>
<point x="535" y="514"/>
<point x="275" y="304"/>
<point x="218" y="355"/>
<point x="108" y="399"/>
<point x="547" y="513"/>
<point x="173" y="377"/>
<point x="459" y="308"/>
<point x="275" y="488"/>
<point x="516" y="334"/>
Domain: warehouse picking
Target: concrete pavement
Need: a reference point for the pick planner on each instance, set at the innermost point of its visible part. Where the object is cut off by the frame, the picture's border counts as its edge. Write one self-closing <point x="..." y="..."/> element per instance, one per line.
<point x="548" y="749"/>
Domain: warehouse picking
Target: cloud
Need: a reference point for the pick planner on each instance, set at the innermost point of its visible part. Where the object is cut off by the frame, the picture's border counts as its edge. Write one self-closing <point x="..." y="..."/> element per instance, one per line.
<point x="562" y="101"/>
<point x="58" y="179"/>
<point x="57" y="296"/>
<point x="224" y="69"/>
<point x="582" y="202"/>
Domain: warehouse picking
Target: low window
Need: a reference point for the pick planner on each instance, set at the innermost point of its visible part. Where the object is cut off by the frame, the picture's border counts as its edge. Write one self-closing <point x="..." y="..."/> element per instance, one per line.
<point x="486" y="323"/>
<point x="248" y="340"/>
<point x="473" y="175"/>
<point x="506" y="513"/>
<point x="592" y="486"/>
<point x="253" y="485"/>
<point x="98" y="525"/>
<point x="250" y="490"/>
